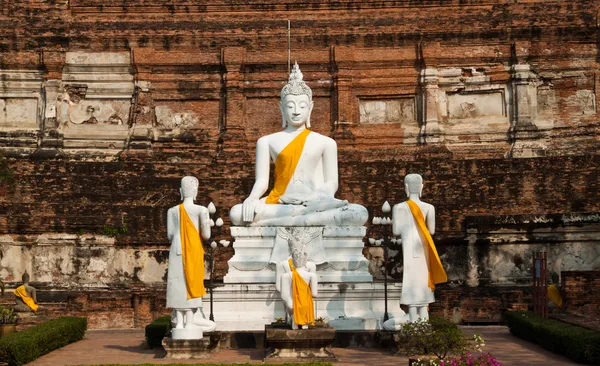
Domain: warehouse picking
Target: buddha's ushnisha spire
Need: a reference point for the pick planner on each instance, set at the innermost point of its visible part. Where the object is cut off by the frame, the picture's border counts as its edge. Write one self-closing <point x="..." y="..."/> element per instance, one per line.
<point x="296" y="84"/>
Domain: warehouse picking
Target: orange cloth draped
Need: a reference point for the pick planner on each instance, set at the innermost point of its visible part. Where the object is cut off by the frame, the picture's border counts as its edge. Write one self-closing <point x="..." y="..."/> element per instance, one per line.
<point x="192" y="254"/>
<point x="304" y="308"/>
<point x="285" y="166"/>
<point x="437" y="274"/>
<point x="555" y="296"/>
<point x="21" y="293"/>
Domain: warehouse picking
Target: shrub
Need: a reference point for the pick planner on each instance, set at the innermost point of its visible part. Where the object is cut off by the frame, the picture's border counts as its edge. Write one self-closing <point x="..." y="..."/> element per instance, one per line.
<point x="579" y="344"/>
<point x="23" y="347"/>
<point x="157" y="330"/>
<point x="437" y="336"/>
<point x="8" y="315"/>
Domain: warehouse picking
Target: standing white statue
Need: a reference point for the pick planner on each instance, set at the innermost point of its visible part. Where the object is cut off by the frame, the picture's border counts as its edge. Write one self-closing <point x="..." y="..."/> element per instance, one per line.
<point x="414" y="221"/>
<point x="306" y="172"/>
<point x="299" y="286"/>
<point x="185" y="279"/>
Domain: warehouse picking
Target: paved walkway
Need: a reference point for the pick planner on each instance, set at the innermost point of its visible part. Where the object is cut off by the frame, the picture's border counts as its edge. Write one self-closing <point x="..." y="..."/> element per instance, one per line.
<point x="128" y="347"/>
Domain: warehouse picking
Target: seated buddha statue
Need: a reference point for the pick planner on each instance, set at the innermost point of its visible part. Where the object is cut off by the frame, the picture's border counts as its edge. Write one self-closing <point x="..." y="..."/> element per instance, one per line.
<point x="306" y="172"/>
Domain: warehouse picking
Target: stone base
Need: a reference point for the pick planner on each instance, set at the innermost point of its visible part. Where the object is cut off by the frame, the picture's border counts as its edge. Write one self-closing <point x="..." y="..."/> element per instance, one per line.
<point x="351" y="306"/>
<point x="253" y="247"/>
<point x="191" y="348"/>
<point x="311" y="344"/>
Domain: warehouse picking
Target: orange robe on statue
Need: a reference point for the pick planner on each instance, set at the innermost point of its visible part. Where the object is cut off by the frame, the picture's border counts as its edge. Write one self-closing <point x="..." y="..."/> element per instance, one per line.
<point x="437" y="274"/>
<point x="192" y="254"/>
<point x="21" y="293"/>
<point x="304" y="308"/>
<point x="285" y="166"/>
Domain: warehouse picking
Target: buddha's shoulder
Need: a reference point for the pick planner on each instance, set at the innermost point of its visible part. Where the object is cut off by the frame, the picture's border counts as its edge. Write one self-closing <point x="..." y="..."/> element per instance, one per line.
<point x="322" y="138"/>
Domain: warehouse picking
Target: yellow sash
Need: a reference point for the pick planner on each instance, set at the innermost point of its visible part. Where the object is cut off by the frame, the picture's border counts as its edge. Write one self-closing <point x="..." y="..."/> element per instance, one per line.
<point x="555" y="296"/>
<point x="304" y="308"/>
<point x="285" y="166"/>
<point x="21" y="293"/>
<point x="434" y="265"/>
<point x="192" y="254"/>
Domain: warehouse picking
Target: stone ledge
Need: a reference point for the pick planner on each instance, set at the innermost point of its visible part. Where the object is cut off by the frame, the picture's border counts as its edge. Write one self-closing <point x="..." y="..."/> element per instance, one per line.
<point x="313" y="343"/>
<point x="191" y="349"/>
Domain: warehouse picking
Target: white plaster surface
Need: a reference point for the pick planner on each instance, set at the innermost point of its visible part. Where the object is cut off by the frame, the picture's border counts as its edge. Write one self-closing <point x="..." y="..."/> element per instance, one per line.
<point x="253" y="247"/>
<point x="473" y="105"/>
<point x="15" y="112"/>
<point x="387" y="111"/>
<point x="354" y="306"/>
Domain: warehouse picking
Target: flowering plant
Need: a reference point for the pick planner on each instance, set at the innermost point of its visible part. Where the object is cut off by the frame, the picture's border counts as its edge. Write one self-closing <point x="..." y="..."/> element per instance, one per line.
<point x="436" y="336"/>
<point x="466" y="359"/>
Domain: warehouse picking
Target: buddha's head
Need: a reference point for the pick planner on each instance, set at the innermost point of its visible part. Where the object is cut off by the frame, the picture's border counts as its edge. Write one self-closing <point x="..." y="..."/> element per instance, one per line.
<point x="413" y="183"/>
<point x="296" y="100"/>
<point x="25" y="278"/>
<point x="189" y="187"/>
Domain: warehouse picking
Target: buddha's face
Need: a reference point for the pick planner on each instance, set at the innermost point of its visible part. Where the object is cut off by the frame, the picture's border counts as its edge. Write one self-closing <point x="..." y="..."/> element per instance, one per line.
<point x="296" y="109"/>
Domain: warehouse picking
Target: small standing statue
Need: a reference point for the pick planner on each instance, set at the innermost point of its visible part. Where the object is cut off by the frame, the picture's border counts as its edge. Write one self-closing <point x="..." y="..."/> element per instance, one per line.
<point x="299" y="286"/>
<point x="26" y="299"/>
<point x="185" y="280"/>
<point x="414" y="221"/>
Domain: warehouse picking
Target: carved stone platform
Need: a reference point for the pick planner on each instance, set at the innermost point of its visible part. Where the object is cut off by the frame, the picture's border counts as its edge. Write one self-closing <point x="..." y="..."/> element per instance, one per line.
<point x="313" y="344"/>
<point x="344" y="306"/>
<point x="258" y="248"/>
<point x="190" y="348"/>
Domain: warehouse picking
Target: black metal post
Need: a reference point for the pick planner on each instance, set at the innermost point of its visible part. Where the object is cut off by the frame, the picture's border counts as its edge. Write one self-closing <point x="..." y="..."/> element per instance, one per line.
<point x="211" y="285"/>
<point x="385" y="259"/>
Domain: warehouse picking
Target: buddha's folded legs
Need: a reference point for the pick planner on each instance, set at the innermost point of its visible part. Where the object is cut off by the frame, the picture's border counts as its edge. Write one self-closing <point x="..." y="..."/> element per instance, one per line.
<point x="298" y="215"/>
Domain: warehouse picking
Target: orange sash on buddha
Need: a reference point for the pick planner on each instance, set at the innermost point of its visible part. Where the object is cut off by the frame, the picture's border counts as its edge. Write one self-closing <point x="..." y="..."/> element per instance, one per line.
<point x="21" y="293"/>
<point x="437" y="274"/>
<point x="304" y="308"/>
<point x="192" y="254"/>
<point x="285" y="166"/>
<point x="555" y="296"/>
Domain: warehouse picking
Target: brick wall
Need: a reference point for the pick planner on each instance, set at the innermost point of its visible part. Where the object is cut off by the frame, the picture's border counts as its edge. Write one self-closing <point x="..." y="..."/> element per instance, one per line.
<point x="206" y="77"/>
<point x="582" y="293"/>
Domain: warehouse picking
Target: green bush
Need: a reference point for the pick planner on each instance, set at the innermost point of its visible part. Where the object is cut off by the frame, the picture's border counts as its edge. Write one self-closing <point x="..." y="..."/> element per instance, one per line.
<point x="22" y="347"/>
<point x="157" y="330"/>
<point x="579" y="344"/>
<point x="8" y="315"/>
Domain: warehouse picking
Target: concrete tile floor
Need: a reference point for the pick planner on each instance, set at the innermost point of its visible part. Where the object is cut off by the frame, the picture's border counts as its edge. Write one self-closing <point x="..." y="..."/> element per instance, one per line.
<point x="127" y="346"/>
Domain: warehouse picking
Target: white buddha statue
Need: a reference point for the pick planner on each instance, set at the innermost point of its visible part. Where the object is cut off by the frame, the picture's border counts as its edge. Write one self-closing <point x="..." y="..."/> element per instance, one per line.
<point x="299" y="286"/>
<point x="185" y="278"/>
<point x="306" y="172"/>
<point x="414" y="221"/>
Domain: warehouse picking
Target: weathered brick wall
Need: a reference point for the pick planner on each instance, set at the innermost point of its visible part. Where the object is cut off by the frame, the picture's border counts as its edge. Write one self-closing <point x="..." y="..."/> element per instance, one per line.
<point x="203" y="79"/>
<point x="582" y="292"/>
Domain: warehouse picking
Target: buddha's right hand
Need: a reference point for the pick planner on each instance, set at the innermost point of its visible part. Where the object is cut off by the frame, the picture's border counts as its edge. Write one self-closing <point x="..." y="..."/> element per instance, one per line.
<point x="249" y="208"/>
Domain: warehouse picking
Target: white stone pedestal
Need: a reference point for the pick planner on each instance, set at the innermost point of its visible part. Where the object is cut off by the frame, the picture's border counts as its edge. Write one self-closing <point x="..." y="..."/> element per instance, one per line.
<point x="186" y="333"/>
<point x="343" y="246"/>
<point x="344" y="306"/>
